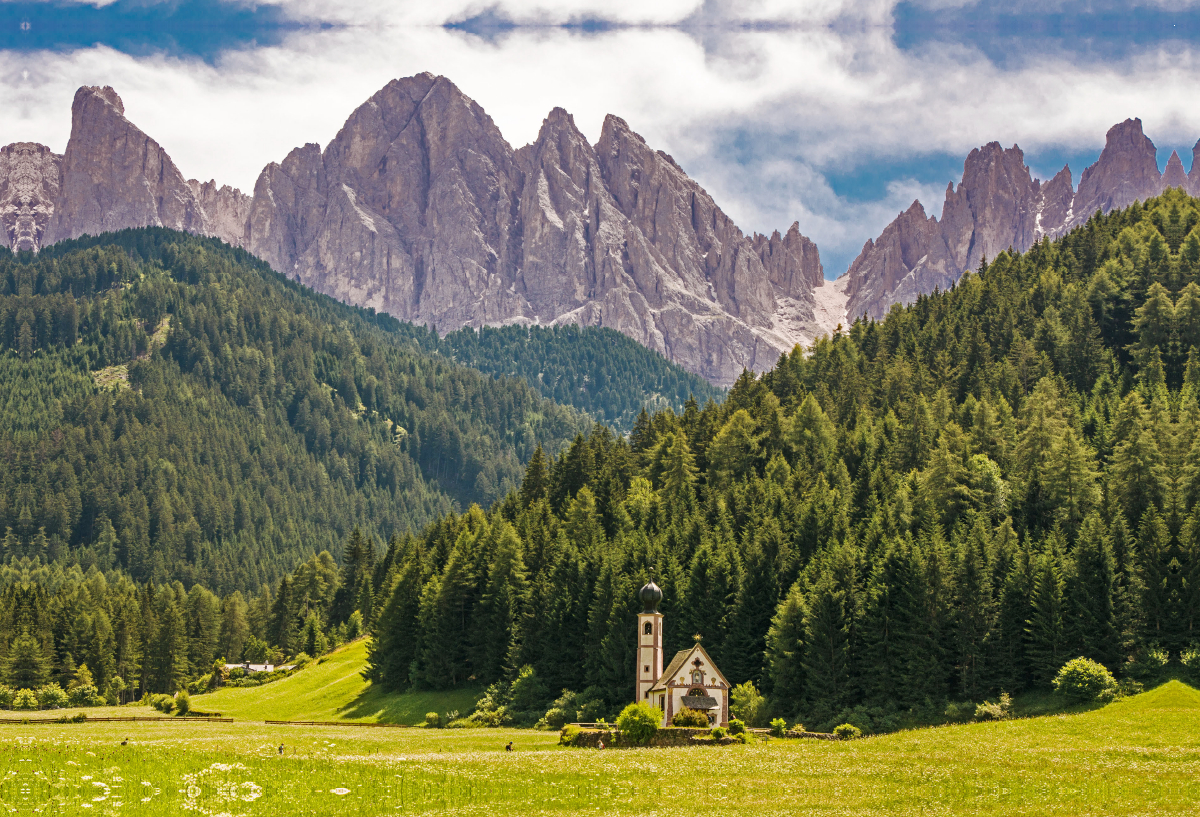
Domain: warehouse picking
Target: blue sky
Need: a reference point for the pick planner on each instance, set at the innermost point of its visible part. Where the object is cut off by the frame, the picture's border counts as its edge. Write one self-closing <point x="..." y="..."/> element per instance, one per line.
<point x="833" y="113"/>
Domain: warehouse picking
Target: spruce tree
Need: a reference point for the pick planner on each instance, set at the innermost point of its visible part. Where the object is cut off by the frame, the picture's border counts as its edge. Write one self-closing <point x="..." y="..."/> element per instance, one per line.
<point x="1047" y="624"/>
<point x="1091" y="595"/>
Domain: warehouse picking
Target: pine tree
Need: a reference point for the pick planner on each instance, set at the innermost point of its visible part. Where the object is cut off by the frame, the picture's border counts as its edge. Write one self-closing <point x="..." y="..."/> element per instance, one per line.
<point x="502" y="605"/>
<point x="533" y="486"/>
<point x="234" y="628"/>
<point x="393" y="651"/>
<point x="974" y="612"/>
<point x="168" y="654"/>
<point x="26" y="665"/>
<point x="281" y="628"/>
<point x="1091" y="595"/>
<point x="830" y="610"/>
<point x="750" y="616"/>
<point x="785" y="650"/>
<point x="1046" y="627"/>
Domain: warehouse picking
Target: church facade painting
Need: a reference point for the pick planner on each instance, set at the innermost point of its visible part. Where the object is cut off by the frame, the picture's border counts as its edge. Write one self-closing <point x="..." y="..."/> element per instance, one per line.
<point x="691" y="680"/>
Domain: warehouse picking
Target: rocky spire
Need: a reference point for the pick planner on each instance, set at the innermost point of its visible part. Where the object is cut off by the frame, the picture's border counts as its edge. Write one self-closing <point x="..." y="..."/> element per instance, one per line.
<point x="1194" y="173"/>
<point x="1174" y="175"/>
<point x="1127" y="171"/>
<point x="114" y="176"/>
<point x="29" y="181"/>
<point x="998" y="205"/>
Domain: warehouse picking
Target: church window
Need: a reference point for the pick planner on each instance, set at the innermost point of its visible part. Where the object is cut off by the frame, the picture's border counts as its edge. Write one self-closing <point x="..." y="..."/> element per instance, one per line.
<point x="646" y="669"/>
<point x="649" y="628"/>
<point x="697" y="677"/>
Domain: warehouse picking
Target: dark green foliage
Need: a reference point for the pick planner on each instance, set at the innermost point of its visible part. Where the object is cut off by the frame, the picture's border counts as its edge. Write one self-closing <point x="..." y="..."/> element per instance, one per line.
<point x="944" y="505"/>
<point x="597" y="370"/>
<point x="264" y="424"/>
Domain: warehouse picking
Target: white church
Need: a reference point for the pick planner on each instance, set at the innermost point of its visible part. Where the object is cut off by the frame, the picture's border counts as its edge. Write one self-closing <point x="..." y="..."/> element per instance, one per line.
<point x="692" y="680"/>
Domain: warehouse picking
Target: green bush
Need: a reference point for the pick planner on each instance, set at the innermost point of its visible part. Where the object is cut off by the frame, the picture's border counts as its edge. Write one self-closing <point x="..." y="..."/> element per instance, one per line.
<point x="690" y="717"/>
<point x="433" y="720"/>
<point x="490" y="717"/>
<point x="592" y="706"/>
<point x="743" y="737"/>
<point x="798" y="727"/>
<point x="778" y="728"/>
<point x="85" y="695"/>
<point x="163" y="703"/>
<point x="959" y="711"/>
<point x="569" y="735"/>
<point x="561" y="712"/>
<point x="847" y="731"/>
<point x="998" y="711"/>
<point x="51" y="696"/>
<point x="527" y="692"/>
<point x="25" y="700"/>
<point x="747" y="704"/>
<point x="183" y="702"/>
<point x="1082" y="679"/>
<point x="718" y="732"/>
<point x="639" y="722"/>
<point x="7" y="694"/>
<point x="736" y="727"/>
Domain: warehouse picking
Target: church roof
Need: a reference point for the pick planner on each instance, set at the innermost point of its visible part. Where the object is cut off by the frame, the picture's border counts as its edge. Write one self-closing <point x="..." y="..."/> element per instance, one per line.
<point x="678" y="662"/>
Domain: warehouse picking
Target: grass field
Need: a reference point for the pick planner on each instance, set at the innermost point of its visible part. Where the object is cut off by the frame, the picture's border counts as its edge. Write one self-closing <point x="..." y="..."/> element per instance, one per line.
<point x="332" y="690"/>
<point x="1140" y="756"/>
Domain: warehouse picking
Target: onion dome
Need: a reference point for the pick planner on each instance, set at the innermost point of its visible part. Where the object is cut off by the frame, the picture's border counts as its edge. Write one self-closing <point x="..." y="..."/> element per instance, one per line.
<point x="650" y="595"/>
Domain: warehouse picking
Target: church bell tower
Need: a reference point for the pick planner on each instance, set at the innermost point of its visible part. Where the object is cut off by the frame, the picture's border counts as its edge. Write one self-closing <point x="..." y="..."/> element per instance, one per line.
<point x="650" y="641"/>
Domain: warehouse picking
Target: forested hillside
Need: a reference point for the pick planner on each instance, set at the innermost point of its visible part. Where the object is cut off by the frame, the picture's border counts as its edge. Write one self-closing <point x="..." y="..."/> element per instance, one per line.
<point x="942" y="505"/>
<point x="243" y="423"/>
<point x="595" y="369"/>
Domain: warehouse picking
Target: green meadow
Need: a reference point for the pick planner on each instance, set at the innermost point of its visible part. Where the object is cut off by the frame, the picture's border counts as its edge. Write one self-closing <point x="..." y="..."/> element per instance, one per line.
<point x="1137" y="756"/>
<point x="330" y="690"/>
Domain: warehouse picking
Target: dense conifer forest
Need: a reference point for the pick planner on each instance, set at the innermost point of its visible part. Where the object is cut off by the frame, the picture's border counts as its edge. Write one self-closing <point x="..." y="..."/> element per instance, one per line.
<point x="241" y="422"/>
<point x="940" y="506"/>
<point x="595" y="369"/>
<point x="937" y="507"/>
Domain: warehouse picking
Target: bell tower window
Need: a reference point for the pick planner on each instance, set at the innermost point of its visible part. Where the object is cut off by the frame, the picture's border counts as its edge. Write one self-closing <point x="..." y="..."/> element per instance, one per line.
<point x="649" y="628"/>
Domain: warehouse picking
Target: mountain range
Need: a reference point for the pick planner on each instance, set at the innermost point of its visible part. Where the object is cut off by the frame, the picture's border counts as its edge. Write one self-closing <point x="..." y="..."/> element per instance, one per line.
<point x="419" y="208"/>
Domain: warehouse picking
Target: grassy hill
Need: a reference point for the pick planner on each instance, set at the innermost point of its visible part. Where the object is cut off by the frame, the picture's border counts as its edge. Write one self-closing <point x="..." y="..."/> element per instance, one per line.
<point x="333" y="690"/>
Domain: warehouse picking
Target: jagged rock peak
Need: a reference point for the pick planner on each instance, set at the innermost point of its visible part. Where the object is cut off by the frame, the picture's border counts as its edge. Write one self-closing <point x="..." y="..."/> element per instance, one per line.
<point x="1174" y="175"/>
<point x="999" y="205"/>
<point x="106" y="93"/>
<point x="29" y="181"/>
<point x="1127" y="171"/>
<point x="420" y="208"/>
<point x="114" y="176"/>
<point x="1194" y="173"/>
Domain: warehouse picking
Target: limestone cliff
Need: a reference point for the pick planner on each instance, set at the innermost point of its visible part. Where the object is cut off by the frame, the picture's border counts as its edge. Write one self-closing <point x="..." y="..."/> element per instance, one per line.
<point x="999" y="205"/>
<point x="420" y="208"/>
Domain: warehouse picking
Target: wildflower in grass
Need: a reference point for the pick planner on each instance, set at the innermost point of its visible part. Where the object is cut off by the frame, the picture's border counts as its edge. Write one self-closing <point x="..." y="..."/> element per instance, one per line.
<point x="339" y="791"/>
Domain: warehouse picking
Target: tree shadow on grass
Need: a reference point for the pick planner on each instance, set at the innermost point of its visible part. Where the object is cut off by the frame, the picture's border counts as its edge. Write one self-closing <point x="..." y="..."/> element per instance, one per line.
<point x="407" y="707"/>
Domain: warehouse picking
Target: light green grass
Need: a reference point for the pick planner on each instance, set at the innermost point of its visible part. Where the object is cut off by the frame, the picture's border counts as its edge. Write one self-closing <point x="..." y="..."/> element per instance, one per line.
<point x="332" y="690"/>
<point x="1135" y="757"/>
